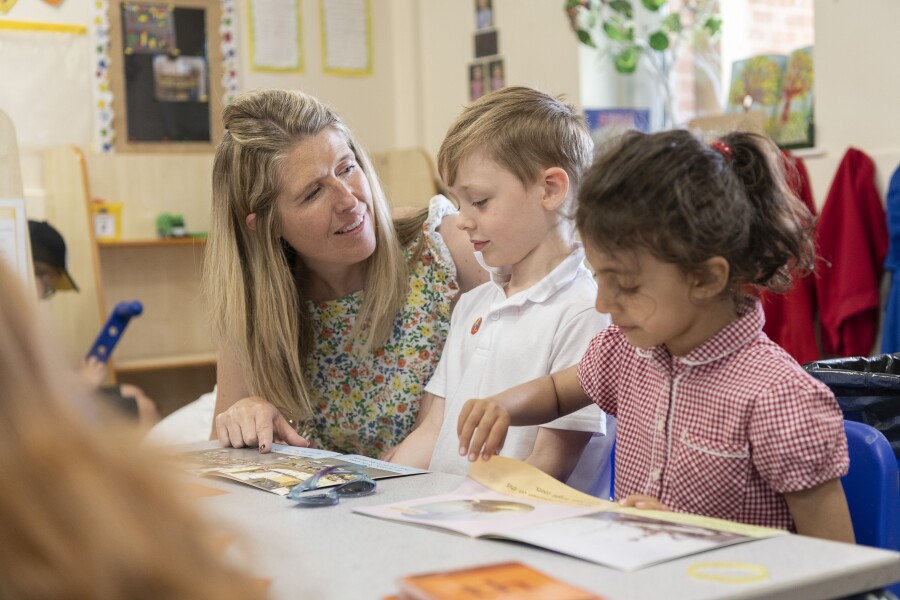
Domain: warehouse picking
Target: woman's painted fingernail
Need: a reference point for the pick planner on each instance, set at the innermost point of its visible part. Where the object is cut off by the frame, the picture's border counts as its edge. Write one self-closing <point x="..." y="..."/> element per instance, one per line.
<point x="473" y="457"/>
<point x="462" y="450"/>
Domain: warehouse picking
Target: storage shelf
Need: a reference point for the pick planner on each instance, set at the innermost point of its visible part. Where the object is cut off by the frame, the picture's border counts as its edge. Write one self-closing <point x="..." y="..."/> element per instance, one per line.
<point x="152" y="243"/>
<point x="167" y="362"/>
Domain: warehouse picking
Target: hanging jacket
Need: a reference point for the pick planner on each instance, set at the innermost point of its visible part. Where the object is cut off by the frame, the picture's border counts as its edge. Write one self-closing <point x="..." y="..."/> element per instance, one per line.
<point x="790" y="317"/>
<point x="852" y="236"/>
<point x="890" y="339"/>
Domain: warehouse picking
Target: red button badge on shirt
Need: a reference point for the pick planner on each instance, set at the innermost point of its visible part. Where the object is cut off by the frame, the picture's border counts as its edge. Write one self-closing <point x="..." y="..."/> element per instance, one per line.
<point x="476" y="326"/>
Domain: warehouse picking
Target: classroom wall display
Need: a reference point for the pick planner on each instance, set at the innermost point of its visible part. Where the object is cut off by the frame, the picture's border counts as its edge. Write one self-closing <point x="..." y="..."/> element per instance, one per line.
<point x="484" y="14"/>
<point x="148" y="28"/>
<point x="165" y="74"/>
<point x="607" y="123"/>
<point x="781" y="87"/>
<point x="478" y="80"/>
<point x="485" y="75"/>
<point x="276" y="40"/>
<point x="498" y="79"/>
<point x="228" y="48"/>
<point x="14" y="249"/>
<point x="43" y="66"/>
<point x="486" y="43"/>
<point x="346" y="32"/>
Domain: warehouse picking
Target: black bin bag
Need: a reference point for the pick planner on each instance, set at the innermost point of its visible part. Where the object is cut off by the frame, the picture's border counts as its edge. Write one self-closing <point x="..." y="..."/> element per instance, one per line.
<point x="867" y="389"/>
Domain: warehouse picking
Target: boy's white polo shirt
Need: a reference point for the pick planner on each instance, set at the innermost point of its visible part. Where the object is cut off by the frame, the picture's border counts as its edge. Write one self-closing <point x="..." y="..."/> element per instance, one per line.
<point x="497" y="342"/>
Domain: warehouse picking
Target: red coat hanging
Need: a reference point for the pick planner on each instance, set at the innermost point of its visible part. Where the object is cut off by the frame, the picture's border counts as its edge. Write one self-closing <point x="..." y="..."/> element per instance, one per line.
<point x="853" y="240"/>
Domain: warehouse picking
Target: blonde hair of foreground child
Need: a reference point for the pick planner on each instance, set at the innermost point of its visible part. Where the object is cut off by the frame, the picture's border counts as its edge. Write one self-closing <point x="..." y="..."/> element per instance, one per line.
<point x="84" y="513"/>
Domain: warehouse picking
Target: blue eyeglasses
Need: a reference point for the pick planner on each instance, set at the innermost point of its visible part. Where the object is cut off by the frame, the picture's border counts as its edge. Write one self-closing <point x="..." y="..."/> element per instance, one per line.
<point x="353" y="484"/>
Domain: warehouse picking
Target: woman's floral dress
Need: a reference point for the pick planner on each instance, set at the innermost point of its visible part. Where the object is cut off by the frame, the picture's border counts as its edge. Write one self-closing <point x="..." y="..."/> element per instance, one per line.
<point x="366" y="404"/>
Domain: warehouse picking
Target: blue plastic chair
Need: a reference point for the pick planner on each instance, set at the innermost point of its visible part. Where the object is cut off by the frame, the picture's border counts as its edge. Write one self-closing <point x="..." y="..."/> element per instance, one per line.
<point x="872" y="487"/>
<point x="612" y="473"/>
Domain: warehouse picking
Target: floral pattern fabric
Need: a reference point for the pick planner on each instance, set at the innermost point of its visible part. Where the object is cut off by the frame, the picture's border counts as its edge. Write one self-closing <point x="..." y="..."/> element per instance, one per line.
<point x="366" y="404"/>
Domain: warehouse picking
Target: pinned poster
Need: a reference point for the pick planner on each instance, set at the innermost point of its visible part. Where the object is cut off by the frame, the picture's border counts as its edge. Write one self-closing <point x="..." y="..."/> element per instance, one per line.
<point x="275" y="35"/>
<point x="346" y="37"/>
<point x="14" y="248"/>
<point x="148" y="28"/>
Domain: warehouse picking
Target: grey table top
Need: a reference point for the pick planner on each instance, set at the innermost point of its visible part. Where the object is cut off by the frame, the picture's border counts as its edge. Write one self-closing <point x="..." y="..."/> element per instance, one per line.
<point x="331" y="552"/>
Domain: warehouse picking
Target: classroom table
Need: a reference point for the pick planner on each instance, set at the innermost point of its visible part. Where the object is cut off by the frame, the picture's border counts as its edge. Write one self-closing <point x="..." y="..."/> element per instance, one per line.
<point x="331" y="552"/>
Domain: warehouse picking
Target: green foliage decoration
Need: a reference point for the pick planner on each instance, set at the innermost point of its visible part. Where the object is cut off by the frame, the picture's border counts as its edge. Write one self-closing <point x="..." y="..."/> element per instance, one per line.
<point x="613" y="25"/>
<point x="652" y="32"/>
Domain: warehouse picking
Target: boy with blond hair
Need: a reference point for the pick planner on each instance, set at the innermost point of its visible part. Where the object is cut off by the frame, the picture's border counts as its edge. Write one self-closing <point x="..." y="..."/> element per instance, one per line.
<point x="513" y="161"/>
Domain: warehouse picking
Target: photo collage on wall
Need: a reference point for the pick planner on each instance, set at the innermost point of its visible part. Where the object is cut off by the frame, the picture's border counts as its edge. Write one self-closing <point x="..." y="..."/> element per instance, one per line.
<point x="486" y="73"/>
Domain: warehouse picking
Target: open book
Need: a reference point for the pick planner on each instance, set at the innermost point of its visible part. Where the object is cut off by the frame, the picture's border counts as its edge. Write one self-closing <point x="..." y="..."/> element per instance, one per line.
<point x="508" y="499"/>
<point x="286" y="466"/>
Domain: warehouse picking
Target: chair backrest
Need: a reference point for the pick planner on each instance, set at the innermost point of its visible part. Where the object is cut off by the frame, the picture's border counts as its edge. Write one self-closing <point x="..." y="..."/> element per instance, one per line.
<point x="872" y="487"/>
<point x="408" y="176"/>
<point x="612" y="473"/>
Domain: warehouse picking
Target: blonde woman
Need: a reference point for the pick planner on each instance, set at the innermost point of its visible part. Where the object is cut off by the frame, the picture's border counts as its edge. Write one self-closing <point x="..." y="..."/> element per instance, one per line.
<point x="331" y="314"/>
<point x="83" y="514"/>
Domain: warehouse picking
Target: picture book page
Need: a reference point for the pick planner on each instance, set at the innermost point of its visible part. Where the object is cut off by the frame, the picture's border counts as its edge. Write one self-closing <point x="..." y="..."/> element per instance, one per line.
<point x="510" y="499"/>
<point x="623" y="540"/>
<point x="286" y="466"/>
<point x="475" y="510"/>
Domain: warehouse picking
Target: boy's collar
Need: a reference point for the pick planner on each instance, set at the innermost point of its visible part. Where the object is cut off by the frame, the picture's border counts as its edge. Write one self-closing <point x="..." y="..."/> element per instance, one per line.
<point x="544" y="289"/>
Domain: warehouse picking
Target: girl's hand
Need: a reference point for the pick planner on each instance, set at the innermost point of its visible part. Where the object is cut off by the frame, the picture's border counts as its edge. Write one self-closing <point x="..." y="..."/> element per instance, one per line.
<point x="643" y="502"/>
<point x="255" y="422"/>
<point x="489" y="422"/>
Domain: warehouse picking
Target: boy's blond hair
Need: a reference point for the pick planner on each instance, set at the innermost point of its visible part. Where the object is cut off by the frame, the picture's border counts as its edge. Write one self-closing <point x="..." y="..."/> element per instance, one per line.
<point x="523" y="131"/>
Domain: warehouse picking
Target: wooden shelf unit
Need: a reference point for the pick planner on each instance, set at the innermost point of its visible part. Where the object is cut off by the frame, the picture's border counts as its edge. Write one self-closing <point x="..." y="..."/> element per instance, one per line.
<point x="168" y="350"/>
<point x="157" y="243"/>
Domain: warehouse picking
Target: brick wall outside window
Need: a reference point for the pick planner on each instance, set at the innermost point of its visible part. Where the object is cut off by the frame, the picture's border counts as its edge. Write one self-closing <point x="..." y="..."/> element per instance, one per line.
<point x="772" y="27"/>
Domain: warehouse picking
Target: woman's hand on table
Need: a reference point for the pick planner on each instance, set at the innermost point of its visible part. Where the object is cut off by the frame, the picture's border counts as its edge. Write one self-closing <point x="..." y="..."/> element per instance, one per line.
<point x="253" y="421"/>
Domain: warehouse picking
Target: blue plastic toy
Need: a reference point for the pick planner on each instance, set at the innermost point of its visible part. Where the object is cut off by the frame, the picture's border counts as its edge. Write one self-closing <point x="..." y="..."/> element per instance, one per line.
<point x="111" y="332"/>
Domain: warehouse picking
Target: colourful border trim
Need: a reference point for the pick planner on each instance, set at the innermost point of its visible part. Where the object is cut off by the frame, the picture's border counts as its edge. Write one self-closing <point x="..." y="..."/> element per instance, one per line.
<point x="103" y="97"/>
<point x="47" y="27"/>
<point x="229" y="50"/>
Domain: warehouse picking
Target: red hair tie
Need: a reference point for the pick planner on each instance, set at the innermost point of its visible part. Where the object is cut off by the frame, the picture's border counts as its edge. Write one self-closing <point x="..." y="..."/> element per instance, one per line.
<point x="723" y="148"/>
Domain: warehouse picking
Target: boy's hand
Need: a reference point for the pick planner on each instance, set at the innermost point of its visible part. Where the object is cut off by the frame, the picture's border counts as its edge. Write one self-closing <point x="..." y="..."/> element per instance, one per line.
<point x="489" y="422"/>
<point x="643" y="502"/>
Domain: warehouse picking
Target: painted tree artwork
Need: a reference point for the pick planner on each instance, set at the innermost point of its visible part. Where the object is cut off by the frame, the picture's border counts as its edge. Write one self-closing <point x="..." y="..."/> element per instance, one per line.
<point x="782" y="88"/>
<point x="757" y="82"/>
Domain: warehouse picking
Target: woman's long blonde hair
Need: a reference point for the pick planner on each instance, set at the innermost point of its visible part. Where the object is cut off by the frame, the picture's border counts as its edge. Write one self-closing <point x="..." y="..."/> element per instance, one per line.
<point x="258" y="309"/>
<point x="83" y="513"/>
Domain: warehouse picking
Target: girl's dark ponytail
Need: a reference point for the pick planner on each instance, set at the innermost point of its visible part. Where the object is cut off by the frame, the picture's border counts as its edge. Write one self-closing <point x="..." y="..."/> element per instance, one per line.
<point x="781" y="226"/>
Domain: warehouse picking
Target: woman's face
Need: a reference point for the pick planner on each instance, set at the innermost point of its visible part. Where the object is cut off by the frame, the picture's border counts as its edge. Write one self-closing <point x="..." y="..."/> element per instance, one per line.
<point x="325" y="205"/>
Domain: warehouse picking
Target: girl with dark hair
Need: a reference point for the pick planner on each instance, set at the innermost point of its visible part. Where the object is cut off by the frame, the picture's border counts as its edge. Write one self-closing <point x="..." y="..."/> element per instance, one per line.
<point x="713" y="417"/>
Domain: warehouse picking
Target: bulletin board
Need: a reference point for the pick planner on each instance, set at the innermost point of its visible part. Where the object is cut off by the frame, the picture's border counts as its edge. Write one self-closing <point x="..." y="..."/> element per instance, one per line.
<point x="165" y="75"/>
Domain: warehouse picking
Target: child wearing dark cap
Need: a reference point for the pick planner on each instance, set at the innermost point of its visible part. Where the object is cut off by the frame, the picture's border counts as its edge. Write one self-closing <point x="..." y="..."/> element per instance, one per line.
<point x="48" y="252"/>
